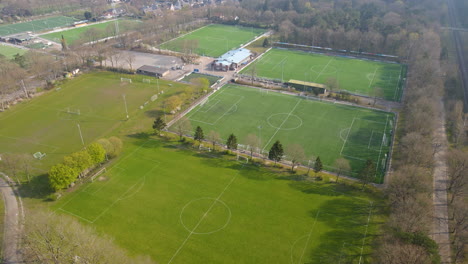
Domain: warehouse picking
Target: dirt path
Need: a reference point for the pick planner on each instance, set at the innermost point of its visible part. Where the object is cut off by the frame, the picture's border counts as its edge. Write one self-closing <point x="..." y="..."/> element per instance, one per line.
<point x="440" y="229"/>
<point x="12" y="225"/>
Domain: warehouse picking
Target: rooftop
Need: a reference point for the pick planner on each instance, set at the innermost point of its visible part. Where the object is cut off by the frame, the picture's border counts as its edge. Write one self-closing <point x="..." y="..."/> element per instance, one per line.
<point x="235" y="56"/>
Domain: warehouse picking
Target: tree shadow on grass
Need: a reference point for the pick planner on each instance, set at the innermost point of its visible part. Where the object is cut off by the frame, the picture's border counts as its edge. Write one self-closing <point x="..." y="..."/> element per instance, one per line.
<point x="154" y="113"/>
<point x="37" y="188"/>
<point x="348" y="219"/>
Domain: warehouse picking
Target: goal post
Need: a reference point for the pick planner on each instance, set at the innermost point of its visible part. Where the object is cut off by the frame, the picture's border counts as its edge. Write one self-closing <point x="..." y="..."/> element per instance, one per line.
<point x="242" y="159"/>
<point x="146" y="80"/>
<point x="125" y="80"/>
<point x="100" y="172"/>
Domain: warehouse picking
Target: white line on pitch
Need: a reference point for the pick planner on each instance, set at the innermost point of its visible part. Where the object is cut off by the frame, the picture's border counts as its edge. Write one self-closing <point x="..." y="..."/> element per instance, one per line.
<point x="347" y="135"/>
<point x="308" y="238"/>
<point x="373" y="77"/>
<point x="323" y="70"/>
<point x="284" y="121"/>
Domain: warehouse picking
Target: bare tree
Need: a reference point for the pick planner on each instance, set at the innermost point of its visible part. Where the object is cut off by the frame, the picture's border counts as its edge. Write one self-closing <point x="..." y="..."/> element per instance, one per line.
<point x="342" y="165"/>
<point x="253" y="142"/>
<point x="457" y="172"/>
<point x="214" y="138"/>
<point x="130" y="59"/>
<point x="295" y="153"/>
<point x="182" y="126"/>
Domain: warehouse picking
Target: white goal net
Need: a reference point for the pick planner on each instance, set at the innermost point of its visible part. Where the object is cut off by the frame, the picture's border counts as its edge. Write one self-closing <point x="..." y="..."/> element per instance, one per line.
<point x="126" y="80"/>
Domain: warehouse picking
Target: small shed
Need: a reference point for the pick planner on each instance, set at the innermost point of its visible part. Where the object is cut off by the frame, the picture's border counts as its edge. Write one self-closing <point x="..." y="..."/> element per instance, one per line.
<point x="152" y="71"/>
<point x="316" y="88"/>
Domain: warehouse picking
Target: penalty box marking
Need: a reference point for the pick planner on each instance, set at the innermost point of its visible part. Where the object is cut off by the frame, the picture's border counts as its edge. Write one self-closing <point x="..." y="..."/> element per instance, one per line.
<point x="115" y="165"/>
<point x="225" y="113"/>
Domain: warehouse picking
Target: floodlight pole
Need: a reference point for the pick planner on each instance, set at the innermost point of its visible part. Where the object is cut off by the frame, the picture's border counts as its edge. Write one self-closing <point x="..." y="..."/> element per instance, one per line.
<point x="81" y="135"/>
<point x="125" y="103"/>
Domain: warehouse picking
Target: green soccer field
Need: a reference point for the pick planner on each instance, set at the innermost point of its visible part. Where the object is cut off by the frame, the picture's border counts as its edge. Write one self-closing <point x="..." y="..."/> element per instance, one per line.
<point x="49" y="123"/>
<point x="181" y="206"/>
<point x="105" y="29"/>
<point x="9" y="52"/>
<point x="356" y="76"/>
<point x="323" y="129"/>
<point x="214" y="40"/>
<point x="212" y="79"/>
<point x="36" y="25"/>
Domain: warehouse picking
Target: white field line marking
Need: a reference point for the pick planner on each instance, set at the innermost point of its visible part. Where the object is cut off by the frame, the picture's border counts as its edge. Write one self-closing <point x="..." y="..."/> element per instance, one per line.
<point x="225" y="113"/>
<point x="75" y="215"/>
<point x="365" y="234"/>
<point x="352" y="157"/>
<point x="279" y="63"/>
<point x="215" y="95"/>
<point x="381" y="145"/>
<point x="347" y="135"/>
<point x="373" y="77"/>
<point x="202" y="218"/>
<point x="115" y="165"/>
<point x="123" y="196"/>
<point x="205" y="111"/>
<point x="284" y="121"/>
<point x="315" y="80"/>
<point x="398" y="84"/>
<point x="55" y="148"/>
<point x="191" y="32"/>
<point x="368" y="146"/>
<point x="308" y="238"/>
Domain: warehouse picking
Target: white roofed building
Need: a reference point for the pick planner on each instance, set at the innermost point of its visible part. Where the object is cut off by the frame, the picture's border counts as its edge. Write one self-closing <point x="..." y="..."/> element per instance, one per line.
<point x="232" y="59"/>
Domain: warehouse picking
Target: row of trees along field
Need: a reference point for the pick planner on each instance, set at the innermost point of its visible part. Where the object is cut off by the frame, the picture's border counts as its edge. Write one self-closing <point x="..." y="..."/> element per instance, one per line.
<point x="79" y="164"/>
<point x="295" y="153"/>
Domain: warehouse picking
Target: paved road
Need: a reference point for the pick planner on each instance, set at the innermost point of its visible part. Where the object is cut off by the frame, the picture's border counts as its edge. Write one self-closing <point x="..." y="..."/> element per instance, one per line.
<point x="440" y="231"/>
<point x="12" y="226"/>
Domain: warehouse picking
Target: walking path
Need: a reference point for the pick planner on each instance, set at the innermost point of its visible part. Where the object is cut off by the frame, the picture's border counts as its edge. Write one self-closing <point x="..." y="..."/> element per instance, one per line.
<point x="12" y="222"/>
<point x="440" y="231"/>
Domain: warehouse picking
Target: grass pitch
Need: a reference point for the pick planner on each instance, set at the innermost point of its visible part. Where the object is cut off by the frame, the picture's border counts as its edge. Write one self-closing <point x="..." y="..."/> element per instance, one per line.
<point x="212" y="79"/>
<point x="180" y="206"/>
<point x="106" y="29"/>
<point x="323" y="129"/>
<point x="48" y="123"/>
<point x="9" y="52"/>
<point x="36" y="25"/>
<point x="215" y="40"/>
<point x="353" y="75"/>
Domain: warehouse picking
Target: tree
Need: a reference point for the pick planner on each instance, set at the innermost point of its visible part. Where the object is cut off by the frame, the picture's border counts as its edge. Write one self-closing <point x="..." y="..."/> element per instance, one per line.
<point x="342" y="165"/>
<point x="88" y="15"/>
<point x="183" y="126"/>
<point x="252" y="142"/>
<point x="295" y="152"/>
<point x="457" y="173"/>
<point x="117" y="146"/>
<point x="97" y="153"/>
<point x="61" y="176"/>
<point x="266" y="43"/>
<point x="367" y="174"/>
<point x="173" y="103"/>
<point x="64" y="43"/>
<point x="332" y="84"/>
<point x="231" y="142"/>
<point x="214" y="137"/>
<point x="159" y="125"/>
<point x="130" y="59"/>
<point x="276" y="152"/>
<point x="199" y="136"/>
<point x="318" y="166"/>
<point x="79" y="161"/>
<point x="201" y="85"/>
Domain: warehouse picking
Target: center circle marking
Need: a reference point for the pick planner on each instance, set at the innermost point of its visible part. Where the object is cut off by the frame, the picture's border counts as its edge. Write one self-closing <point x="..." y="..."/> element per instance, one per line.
<point x="204" y="200"/>
<point x="296" y="119"/>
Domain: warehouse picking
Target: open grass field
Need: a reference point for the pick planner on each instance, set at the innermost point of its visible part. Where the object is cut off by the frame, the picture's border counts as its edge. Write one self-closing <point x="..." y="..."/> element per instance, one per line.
<point x="36" y="25"/>
<point x="44" y="124"/>
<point x="9" y="51"/>
<point x="211" y="78"/>
<point x="180" y="206"/>
<point x="323" y="129"/>
<point x="353" y="75"/>
<point x="105" y="29"/>
<point x="214" y="40"/>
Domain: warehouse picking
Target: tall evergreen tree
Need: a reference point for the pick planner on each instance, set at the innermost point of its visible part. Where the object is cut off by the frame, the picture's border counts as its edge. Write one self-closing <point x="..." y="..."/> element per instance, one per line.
<point x="232" y="142"/>
<point x="367" y="174"/>
<point x="199" y="136"/>
<point x="159" y="125"/>
<point x="276" y="152"/>
<point x="64" y="44"/>
<point x="318" y="166"/>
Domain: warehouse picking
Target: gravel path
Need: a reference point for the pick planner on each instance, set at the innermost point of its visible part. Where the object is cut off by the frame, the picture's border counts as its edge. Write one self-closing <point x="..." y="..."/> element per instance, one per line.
<point x="12" y="225"/>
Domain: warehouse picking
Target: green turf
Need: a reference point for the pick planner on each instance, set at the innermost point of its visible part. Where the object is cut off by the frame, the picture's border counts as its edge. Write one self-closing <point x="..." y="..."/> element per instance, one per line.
<point x="44" y="125"/>
<point x="215" y="40"/>
<point x="105" y="29"/>
<point x="36" y="25"/>
<point x="180" y="206"/>
<point x="323" y="129"/>
<point x="354" y="75"/>
<point x="9" y="52"/>
<point x="212" y="79"/>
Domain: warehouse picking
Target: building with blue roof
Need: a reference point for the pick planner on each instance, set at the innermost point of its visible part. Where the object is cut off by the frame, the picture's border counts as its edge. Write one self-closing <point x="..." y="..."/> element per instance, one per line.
<point x="232" y="59"/>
